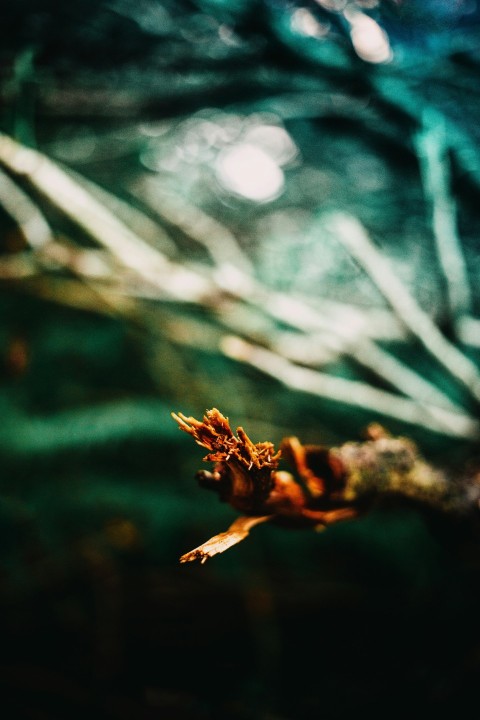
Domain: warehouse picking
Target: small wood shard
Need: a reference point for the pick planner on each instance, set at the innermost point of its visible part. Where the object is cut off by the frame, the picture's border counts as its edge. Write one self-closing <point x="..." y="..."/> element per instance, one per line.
<point x="237" y="532"/>
<point x="329" y="485"/>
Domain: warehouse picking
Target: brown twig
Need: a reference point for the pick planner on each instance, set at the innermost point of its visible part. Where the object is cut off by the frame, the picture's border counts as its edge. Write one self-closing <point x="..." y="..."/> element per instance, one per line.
<point x="329" y="484"/>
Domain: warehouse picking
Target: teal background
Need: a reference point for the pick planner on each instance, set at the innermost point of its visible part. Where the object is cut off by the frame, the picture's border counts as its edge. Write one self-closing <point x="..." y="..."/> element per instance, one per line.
<point x="377" y="616"/>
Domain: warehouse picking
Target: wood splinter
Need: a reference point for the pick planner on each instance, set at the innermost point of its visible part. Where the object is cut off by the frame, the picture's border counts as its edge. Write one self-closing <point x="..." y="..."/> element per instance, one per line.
<point x="237" y="532"/>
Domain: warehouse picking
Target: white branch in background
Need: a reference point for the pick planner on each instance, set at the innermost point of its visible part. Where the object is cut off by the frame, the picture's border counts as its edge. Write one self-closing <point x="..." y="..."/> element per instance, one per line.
<point x="353" y="236"/>
<point x="468" y="330"/>
<point x="401" y="376"/>
<point x="230" y="292"/>
<point x="220" y="243"/>
<point x="432" y="150"/>
<point x="298" y="349"/>
<point x="30" y="221"/>
<point x="101" y="224"/>
<point x="377" y="323"/>
<point x="138" y="221"/>
<point x="350" y="392"/>
<point x="349" y="338"/>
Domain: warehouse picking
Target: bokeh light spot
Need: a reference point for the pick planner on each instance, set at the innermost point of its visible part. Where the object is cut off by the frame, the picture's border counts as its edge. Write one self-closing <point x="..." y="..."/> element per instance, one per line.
<point x="248" y="171"/>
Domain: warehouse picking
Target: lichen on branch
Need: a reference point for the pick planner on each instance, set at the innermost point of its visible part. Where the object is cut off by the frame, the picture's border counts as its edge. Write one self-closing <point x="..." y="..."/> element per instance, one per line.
<point x="326" y="485"/>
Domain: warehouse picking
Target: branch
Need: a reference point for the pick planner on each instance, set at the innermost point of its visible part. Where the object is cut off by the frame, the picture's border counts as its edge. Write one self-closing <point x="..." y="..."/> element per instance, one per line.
<point x="328" y="485"/>
<point x="352" y="235"/>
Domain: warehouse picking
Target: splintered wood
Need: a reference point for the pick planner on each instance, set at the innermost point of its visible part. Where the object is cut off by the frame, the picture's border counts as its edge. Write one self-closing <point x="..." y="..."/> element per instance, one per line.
<point x="329" y="484"/>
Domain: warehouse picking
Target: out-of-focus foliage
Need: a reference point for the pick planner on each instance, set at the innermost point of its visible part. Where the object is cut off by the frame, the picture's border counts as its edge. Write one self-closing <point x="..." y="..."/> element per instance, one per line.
<point x="268" y="207"/>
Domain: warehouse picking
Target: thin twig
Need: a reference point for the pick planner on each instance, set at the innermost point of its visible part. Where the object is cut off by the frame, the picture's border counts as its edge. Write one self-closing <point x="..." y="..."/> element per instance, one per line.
<point x="432" y="151"/>
<point x="377" y="323"/>
<point x="352" y="235"/>
<point x="135" y="219"/>
<point x="350" y="392"/>
<point x="344" y="339"/>
<point x="401" y="376"/>
<point x="101" y="224"/>
<point x="30" y="221"/>
<point x="220" y="243"/>
<point x="174" y="282"/>
<point x="468" y="330"/>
